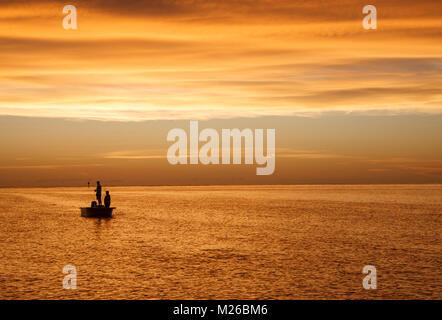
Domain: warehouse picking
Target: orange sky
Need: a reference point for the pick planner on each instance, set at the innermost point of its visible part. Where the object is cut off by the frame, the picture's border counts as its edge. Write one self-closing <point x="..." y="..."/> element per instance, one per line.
<point x="272" y="63"/>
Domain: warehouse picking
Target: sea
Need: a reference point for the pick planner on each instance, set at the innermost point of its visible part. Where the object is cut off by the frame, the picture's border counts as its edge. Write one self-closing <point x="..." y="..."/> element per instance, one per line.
<point x="223" y="242"/>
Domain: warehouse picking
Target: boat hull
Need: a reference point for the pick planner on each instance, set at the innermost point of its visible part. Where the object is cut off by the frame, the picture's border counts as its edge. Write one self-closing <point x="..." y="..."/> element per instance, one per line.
<point x="97" y="212"/>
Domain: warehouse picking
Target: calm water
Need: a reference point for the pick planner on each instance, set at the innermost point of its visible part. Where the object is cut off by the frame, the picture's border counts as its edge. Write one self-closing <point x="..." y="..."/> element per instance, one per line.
<point x="245" y="242"/>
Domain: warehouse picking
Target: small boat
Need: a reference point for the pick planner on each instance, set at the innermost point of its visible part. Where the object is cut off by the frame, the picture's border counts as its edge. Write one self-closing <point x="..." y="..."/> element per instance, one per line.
<point x="97" y="212"/>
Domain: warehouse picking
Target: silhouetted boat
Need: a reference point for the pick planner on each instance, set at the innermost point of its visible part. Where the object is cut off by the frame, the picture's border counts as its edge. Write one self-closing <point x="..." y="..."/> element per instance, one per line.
<point x="97" y="212"/>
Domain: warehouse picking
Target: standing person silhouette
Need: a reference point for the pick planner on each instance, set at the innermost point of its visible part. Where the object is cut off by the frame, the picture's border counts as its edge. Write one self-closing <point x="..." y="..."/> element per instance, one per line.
<point x="107" y="200"/>
<point x="98" y="192"/>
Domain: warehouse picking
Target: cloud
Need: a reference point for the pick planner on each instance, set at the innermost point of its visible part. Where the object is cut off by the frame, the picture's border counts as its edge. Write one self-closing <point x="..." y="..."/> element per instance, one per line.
<point x="139" y="60"/>
<point x="135" y="154"/>
<point x="49" y="166"/>
<point x="289" y="9"/>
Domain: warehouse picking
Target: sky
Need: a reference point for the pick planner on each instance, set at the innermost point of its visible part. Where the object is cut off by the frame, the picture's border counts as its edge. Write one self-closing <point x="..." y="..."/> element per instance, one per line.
<point x="349" y="105"/>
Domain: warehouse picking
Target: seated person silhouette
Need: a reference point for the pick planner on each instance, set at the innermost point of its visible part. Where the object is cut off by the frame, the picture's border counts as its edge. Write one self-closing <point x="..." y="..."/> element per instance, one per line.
<point x="107" y="200"/>
<point x="98" y="192"/>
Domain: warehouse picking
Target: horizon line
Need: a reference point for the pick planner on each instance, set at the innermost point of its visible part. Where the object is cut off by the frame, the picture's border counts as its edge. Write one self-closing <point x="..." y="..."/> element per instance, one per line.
<point x="223" y="185"/>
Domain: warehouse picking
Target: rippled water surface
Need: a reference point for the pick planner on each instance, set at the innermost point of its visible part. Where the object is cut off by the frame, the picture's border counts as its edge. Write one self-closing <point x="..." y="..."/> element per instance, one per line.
<point x="238" y="242"/>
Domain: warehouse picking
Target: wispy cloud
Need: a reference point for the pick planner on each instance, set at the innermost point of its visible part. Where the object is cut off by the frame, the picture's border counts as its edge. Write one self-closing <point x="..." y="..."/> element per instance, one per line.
<point x="49" y="166"/>
<point x="140" y="60"/>
<point x="135" y="155"/>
